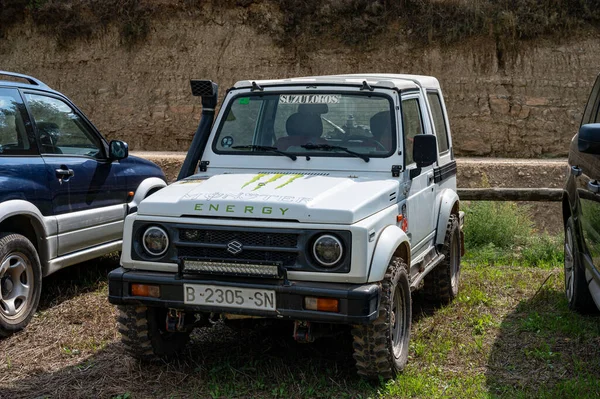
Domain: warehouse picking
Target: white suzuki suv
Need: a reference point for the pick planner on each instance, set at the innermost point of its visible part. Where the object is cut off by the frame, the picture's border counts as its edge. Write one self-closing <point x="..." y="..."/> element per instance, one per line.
<point x="318" y="200"/>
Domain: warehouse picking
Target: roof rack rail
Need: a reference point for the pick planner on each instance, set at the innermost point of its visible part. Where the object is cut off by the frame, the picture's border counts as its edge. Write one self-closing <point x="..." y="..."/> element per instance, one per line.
<point x="28" y="78"/>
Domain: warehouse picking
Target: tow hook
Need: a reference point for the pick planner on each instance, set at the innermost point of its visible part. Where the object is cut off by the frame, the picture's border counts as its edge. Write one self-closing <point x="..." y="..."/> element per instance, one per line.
<point x="174" y="322"/>
<point x="303" y="332"/>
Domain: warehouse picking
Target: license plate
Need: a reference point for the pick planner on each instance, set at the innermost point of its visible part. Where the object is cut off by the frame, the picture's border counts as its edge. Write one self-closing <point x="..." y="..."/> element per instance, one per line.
<point x="229" y="297"/>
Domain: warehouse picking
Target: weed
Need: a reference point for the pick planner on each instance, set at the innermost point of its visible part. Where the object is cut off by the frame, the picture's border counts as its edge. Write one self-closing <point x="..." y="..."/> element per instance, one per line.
<point x="502" y="233"/>
<point x="481" y="324"/>
<point x="502" y="224"/>
<point x="543" y="250"/>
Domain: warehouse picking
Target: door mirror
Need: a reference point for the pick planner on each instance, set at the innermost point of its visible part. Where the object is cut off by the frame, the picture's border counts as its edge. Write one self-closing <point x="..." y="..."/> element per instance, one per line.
<point x="117" y="149"/>
<point x="588" y="139"/>
<point x="424" y="150"/>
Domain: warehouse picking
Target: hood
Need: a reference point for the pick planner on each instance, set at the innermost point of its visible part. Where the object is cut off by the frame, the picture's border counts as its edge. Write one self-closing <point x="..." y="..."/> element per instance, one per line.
<point x="294" y="197"/>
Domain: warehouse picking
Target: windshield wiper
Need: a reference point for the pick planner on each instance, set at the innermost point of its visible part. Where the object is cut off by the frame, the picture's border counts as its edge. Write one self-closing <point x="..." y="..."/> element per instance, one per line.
<point x="265" y="148"/>
<point x="327" y="147"/>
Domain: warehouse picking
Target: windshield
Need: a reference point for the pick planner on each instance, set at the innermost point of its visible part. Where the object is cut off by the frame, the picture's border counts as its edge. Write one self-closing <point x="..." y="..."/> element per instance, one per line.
<point x="307" y="124"/>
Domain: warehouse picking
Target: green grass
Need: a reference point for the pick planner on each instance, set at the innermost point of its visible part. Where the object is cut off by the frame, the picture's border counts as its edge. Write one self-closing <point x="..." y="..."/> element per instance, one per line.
<point x="508" y="334"/>
<point x="502" y="233"/>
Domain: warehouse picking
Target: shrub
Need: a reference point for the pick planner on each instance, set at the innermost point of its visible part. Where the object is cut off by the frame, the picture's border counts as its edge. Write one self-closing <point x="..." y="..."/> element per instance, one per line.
<point x="543" y="250"/>
<point x="504" y="225"/>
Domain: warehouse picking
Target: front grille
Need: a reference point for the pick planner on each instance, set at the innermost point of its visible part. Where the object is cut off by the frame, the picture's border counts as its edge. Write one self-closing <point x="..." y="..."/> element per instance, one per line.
<point x="246" y="255"/>
<point x="247" y="238"/>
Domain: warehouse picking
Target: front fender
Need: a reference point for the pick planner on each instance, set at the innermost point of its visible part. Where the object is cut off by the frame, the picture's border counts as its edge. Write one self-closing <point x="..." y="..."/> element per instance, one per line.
<point x="449" y="199"/>
<point x="143" y="189"/>
<point x="392" y="240"/>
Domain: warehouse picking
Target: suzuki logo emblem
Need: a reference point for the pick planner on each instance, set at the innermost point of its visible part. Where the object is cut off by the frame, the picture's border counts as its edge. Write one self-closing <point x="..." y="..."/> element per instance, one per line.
<point x="234" y="247"/>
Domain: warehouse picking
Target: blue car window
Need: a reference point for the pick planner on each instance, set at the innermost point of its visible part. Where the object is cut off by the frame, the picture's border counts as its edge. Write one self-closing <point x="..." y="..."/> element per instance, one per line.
<point x="60" y="129"/>
<point x="13" y="134"/>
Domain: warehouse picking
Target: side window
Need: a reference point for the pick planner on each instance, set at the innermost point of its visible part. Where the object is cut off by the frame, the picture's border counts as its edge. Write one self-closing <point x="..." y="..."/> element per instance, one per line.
<point x="13" y="134"/>
<point x="60" y="130"/>
<point x="413" y="125"/>
<point x="591" y="113"/>
<point x="439" y="122"/>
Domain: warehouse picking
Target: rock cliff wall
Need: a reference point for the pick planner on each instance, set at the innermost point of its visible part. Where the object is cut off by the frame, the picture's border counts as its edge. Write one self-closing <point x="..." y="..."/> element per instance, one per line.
<point x="525" y="105"/>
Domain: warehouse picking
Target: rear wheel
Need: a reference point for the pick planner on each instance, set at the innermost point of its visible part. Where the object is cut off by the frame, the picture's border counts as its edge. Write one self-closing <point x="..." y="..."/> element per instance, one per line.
<point x="576" y="288"/>
<point x="143" y="332"/>
<point x="381" y="348"/>
<point x="441" y="284"/>
<point x="20" y="282"/>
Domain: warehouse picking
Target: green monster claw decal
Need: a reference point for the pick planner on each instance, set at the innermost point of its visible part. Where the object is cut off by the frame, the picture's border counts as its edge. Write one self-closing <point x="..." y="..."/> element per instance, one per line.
<point x="272" y="179"/>
<point x="255" y="178"/>
<point x="291" y="179"/>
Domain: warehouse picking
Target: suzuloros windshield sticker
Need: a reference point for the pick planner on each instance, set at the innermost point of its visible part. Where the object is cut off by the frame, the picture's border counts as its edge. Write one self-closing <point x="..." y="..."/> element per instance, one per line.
<point x="309" y="98"/>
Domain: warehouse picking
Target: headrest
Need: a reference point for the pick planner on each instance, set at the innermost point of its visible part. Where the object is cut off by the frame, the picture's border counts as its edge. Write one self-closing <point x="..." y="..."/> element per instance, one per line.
<point x="309" y="125"/>
<point x="313" y="108"/>
<point x="380" y="123"/>
<point x="47" y="127"/>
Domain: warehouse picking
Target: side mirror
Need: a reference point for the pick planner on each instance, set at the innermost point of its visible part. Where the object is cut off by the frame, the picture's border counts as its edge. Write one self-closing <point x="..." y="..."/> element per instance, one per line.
<point x="588" y="139"/>
<point x="425" y="150"/>
<point x="117" y="150"/>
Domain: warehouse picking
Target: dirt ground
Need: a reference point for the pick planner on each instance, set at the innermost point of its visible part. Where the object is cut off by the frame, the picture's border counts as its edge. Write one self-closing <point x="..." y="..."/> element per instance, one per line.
<point x="509" y="332"/>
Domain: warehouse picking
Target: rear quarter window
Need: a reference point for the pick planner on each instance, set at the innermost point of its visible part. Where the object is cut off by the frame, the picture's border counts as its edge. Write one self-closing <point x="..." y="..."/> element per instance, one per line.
<point x="439" y="120"/>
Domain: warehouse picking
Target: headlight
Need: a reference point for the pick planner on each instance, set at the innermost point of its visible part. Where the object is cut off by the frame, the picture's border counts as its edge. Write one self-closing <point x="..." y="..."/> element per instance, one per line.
<point x="328" y="250"/>
<point x="155" y="241"/>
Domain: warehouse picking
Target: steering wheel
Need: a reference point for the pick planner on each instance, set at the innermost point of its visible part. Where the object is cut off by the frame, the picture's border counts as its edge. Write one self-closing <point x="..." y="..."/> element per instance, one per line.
<point x="366" y="139"/>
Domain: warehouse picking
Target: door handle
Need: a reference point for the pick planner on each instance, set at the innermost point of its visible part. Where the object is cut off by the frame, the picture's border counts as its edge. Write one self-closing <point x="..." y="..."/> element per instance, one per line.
<point x="64" y="173"/>
<point x="593" y="186"/>
<point x="576" y="171"/>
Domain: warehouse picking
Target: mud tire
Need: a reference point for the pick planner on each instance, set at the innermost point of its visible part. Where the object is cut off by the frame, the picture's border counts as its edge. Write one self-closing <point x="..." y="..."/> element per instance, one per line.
<point x="144" y="335"/>
<point x="375" y="352"/>
<point x="441" y="284"/>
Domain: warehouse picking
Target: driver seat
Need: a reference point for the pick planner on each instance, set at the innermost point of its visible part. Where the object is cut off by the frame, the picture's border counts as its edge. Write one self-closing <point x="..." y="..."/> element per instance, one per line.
<point x="301" y="128"/>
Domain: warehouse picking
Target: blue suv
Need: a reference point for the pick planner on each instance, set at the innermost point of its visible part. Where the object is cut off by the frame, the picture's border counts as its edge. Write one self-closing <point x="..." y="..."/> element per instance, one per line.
<point x="64" y="192"/>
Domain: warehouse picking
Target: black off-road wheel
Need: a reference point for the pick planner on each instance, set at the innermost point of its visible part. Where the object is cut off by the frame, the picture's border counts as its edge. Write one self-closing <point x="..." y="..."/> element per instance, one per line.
<point x="576" y="288"/>
<point x="20" y="282"/>
<point x="441" y="284"/>
<point x="144" y="335"/>
<point x="381" y="348"/>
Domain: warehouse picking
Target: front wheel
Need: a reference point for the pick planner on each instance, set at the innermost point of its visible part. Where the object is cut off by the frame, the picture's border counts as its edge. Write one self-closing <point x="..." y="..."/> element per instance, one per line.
<point x="381" y="348"/>
<point x="576" y="289"/>
<point x="20" y="282"/>
<point x="144" y="335"/>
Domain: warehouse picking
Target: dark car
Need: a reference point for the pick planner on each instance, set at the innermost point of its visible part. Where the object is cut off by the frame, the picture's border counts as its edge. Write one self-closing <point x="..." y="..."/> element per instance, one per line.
<point x="581" y="211"/>
<point x="64" y="192"/>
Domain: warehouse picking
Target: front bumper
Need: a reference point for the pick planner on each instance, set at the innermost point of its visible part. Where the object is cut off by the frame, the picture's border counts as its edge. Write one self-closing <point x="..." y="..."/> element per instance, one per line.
<point x="358" y="304"/>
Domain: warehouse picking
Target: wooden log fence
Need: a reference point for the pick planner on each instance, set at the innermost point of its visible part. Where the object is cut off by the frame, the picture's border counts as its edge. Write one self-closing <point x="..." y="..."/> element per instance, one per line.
<point x="511" y="194"/>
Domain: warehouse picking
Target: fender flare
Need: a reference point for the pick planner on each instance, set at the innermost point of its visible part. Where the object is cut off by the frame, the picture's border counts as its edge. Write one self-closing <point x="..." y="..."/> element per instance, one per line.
<point x="144" y="188"/>
<point x="44" y="227"/>
<point x="392" y="241"/>
<point x="448" y="205"/>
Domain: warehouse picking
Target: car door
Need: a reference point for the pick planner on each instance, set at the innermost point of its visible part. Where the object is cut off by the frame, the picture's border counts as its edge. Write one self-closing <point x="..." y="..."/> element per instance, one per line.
<point x="445" y="171"/>
<point x="22" y="170"/>
<point x="421" y="195"/>
<point x="585" y="170"/>
<point x="89" y="196"/>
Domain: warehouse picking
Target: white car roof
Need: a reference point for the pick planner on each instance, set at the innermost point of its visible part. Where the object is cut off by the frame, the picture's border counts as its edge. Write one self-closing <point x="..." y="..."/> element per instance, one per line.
<point x="397" y="81"/>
